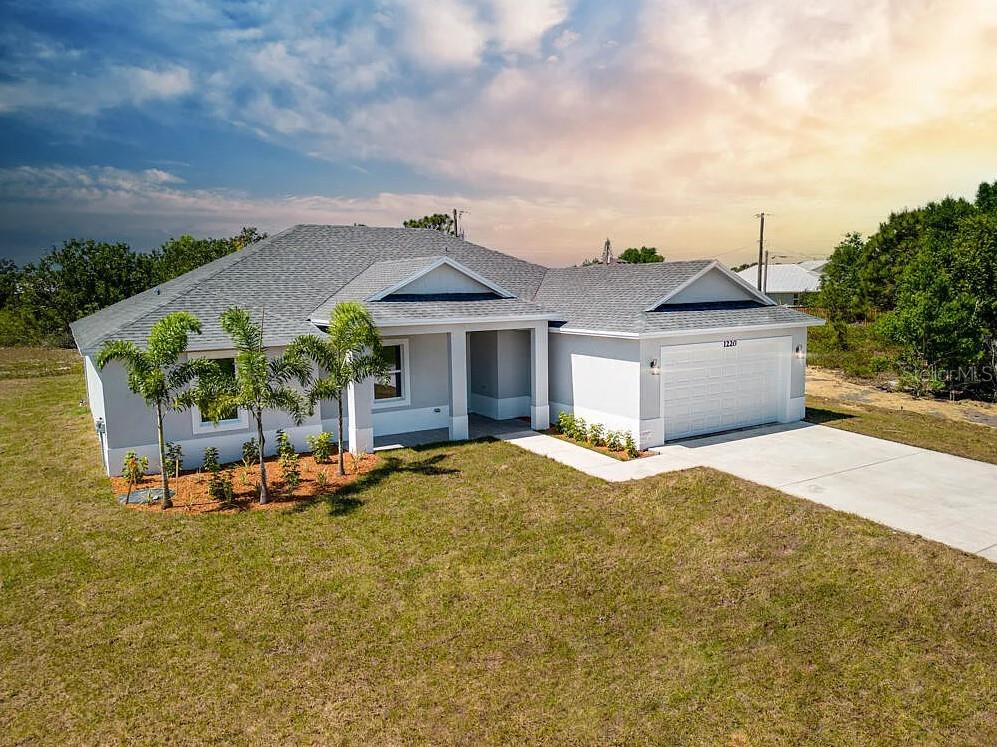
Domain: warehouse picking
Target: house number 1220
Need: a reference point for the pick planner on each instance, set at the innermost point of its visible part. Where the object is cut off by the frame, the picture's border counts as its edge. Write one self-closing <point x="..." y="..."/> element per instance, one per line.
<point x="730" y="343"/>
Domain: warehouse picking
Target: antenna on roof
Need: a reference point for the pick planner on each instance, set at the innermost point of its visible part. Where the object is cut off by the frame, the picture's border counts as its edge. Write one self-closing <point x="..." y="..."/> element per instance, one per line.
<point x="607" y="253"/>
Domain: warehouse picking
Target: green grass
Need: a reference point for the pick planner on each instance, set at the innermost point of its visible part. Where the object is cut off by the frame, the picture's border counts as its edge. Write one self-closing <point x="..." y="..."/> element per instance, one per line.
<point x="868" y="356"/>
<point x="473" y="593"/>
<point x="30" y="362"/>
<point x="917" y="429"/>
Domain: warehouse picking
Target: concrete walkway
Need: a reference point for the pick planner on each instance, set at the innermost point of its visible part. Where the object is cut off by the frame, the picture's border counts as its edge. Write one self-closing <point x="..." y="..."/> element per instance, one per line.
<point x="939" y="496"/>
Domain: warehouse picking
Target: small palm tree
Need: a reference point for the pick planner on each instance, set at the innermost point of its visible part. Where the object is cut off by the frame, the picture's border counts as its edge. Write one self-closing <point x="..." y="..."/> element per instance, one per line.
<point x="259" y="383"/>
<point x="350" y="353"/>
<point x="156" y="375"/>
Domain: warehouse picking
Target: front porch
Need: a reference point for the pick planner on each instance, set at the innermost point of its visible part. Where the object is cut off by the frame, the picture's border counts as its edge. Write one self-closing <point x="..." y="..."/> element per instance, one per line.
<point x="478" y="426"/>
<point x="453" y="382"/>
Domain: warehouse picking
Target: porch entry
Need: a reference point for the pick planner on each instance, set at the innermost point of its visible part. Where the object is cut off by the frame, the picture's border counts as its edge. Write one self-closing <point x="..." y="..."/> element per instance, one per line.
<point x="498" y="373"/>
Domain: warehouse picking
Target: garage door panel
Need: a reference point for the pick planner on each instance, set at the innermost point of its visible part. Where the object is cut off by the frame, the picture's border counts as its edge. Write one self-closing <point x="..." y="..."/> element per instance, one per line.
<point x="708" y="387"/>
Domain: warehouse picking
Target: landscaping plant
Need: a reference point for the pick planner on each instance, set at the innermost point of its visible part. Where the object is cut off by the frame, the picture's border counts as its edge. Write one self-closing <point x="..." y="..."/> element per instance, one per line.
<point x="349" y="354"/>
<point x="630" y="445"/>
<point x="211" y="463"/>
<point x="174" y="459"/>
<point x="156" y="375"/>
<point x="220" y="487"/>
<point x="290" y="468"/>
<point x="284" y="445"/>
<point x="133" y="469"/>
<point x="321" y="445"/>
<point x="250" y="453"/>
<point x="614" y="442"/>
<point x="597" y="434"/>
<point x="259" y="383"/>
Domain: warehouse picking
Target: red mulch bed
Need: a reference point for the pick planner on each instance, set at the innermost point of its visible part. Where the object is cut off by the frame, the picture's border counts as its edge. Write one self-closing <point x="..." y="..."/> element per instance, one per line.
<point x="191" y="488"/>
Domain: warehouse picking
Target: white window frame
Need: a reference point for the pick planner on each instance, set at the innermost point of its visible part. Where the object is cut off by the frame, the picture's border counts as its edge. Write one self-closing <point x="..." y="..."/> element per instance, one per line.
<point x="235" y="424"/>
<point x="406" y="399"/>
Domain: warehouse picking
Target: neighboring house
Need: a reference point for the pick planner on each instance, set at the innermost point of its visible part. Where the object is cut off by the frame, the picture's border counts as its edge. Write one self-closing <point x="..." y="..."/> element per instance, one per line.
<point x="784" y="284"/>
<point x="815" y="266"/>
<point x="664" y="350"/>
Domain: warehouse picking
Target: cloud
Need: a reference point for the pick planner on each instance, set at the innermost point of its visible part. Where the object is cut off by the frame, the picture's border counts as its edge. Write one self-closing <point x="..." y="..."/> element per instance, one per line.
<point x="665" y="122"/>
<point x="117" y="85"/>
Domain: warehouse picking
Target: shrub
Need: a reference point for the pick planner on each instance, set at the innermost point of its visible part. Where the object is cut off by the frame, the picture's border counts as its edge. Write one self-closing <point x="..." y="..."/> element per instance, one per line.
<point x="597" y="434"/>
<point x="566" y="423"/>
<point x="250" y="453"/>
<point x="174" y="459"/>
<point x="630" y="445"/>
<point x="290" y="470"/>
<point x="321" y="480"/>
<point x="220" y="487"/>
<point x="614" y="441"/>
<point x="284" y="445"/>
<point x="211" y="459"/>
<point x="581" y="430"/>
<point x="321" y="445"/>
<point x="133" y="469"/>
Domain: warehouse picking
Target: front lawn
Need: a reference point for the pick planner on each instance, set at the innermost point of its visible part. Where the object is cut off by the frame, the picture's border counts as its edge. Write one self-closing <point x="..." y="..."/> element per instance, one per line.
<point x="472" y="593"/>
<point x="917" y="429"/>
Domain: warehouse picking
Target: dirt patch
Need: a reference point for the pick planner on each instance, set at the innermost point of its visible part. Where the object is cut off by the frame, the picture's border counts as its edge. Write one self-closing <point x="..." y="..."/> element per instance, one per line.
<point x="191" y="488"/>
<point x="834" y="386"/>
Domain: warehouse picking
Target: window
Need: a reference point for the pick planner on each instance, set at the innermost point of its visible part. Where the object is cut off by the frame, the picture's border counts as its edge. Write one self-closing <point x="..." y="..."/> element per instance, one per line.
<point x="393" y="388"/>
<point x="227" y="365"/>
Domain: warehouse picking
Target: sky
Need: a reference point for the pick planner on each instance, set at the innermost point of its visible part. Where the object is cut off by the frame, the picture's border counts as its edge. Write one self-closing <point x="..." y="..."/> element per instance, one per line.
<point x="552" y="124"/>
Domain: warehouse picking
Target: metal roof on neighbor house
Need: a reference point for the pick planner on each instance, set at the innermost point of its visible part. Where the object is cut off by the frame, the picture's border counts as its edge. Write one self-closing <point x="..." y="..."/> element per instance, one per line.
<point x="784" y="278"/>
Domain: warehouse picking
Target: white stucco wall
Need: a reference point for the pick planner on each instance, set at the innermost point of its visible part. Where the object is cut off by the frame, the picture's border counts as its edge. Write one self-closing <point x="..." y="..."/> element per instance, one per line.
<point x="651" y="425"/>
<point x="596" y="378"/>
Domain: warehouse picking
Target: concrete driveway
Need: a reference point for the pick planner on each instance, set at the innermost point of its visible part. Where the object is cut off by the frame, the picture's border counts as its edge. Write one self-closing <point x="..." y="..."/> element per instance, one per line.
<point x="938" y="496"/>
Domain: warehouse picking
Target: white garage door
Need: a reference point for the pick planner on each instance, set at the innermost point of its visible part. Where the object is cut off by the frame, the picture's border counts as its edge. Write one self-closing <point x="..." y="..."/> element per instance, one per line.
<point x="718" y="386"/>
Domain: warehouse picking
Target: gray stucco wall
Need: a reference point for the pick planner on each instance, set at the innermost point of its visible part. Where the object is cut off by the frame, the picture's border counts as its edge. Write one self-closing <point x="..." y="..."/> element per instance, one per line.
<point x="513" y="363"/>
<point x="429" y="368"/>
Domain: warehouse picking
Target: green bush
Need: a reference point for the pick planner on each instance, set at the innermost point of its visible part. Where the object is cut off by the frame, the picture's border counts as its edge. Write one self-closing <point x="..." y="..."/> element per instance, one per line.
<point x="597" y="434"/>
<point x="614" y="441"/>
<point x="290" y="469"/>
<point x="630" y="445"/>
<point x="174" y="459"/>
<point x="211" y="460"/>
<point x="322" y="446"/>
<point x="220" y="487"/>
<point x="284" y="445"/>
<point x="133" y="469"/>
<point x="581" y="432"/>
<point x="250" y="453"/>
<point x="566" y="423"/>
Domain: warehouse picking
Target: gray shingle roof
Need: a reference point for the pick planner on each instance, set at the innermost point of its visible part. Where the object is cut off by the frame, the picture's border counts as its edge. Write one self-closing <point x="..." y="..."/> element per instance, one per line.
<point x="299" y="271"/>
<point x="673" y="321"/>
<point x="784" y="278"/>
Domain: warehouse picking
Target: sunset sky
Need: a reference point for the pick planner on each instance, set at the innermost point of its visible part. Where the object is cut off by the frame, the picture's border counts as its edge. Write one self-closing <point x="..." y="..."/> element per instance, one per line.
<point x="553" y="124"/>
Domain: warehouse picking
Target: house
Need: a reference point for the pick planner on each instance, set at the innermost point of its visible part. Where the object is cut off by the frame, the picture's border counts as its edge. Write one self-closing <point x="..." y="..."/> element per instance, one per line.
<point x="664" y="351"/>
<point x="784" y="284"/>
<point x="816" y="266"/>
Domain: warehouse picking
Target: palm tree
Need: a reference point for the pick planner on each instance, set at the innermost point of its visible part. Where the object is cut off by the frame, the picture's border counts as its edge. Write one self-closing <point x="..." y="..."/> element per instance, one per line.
<point x="349" y="353"/>
<point x="258" y="384"/>
<point x="155" y="373"/>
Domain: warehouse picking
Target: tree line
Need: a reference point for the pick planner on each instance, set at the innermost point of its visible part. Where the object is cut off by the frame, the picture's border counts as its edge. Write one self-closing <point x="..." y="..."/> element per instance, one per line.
<point x="39" y="300"/>
<point x="928" y="277"/>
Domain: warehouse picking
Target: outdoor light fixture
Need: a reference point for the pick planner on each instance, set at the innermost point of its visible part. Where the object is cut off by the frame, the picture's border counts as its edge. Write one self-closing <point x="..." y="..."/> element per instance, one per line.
<point x="655" y="368"/>
<point x="799" y="352"/>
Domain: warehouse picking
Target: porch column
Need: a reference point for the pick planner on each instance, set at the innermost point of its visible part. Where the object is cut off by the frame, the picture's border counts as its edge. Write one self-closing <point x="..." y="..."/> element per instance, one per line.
<point x="539" y="405"/>
<point x="359" y="399"/>
<point x="458" y="385"/>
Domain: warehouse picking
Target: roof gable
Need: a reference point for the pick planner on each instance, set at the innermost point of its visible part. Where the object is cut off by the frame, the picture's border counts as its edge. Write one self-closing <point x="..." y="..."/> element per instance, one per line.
<point x="442" y="276"/>
<point x="713" y="283"/>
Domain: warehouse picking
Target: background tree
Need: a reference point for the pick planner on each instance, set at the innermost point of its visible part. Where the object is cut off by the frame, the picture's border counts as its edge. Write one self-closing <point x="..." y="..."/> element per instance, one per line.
<point x="839" y="293"/>
<point x="259" y="383"/>
<point x="436" y="221"/>
<point x="644" y="255"/>
<point x="349" y="354"/>
<point x="156" y="373"/>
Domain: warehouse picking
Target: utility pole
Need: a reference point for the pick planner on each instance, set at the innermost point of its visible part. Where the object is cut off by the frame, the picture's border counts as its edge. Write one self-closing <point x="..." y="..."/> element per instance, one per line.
<point x="456" y="231"/>
<point x="761" y="246"/>
<point x="765" y="280"/>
